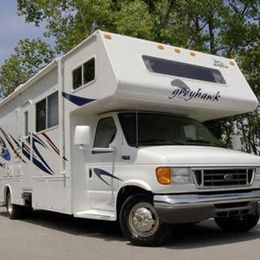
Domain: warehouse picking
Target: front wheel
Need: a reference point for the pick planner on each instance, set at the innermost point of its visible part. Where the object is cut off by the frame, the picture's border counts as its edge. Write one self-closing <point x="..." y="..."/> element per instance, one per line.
<point x="140" y="222"/>
<point x="237" y="224"/>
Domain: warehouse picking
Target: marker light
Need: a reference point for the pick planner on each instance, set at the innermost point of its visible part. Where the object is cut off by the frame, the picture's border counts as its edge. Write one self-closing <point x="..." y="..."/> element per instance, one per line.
<point x="108" y="36"/>
<point x="177" y="50"/>
<point x="160" y="47"/>
<point x="163" y="175"/>
<point x="192" y="53"/>
<point x="232" y="62"/>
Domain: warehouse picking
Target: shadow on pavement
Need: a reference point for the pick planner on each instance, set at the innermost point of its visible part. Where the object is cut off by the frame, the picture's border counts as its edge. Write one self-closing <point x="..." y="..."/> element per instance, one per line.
<point x="204" y="234"/>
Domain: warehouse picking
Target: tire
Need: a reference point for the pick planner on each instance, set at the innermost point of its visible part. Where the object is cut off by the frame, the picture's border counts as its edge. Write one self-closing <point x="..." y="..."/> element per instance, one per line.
<point x="140" y="223"/>
<point x="13" y="211"/>
<point x="238" y="224"/>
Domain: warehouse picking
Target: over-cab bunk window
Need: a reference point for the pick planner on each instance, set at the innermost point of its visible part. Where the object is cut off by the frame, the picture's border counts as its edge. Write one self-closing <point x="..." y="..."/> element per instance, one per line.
<point x="47" y="112"/>
<point x="84" y="74"/>
<point x="185" y="70"/>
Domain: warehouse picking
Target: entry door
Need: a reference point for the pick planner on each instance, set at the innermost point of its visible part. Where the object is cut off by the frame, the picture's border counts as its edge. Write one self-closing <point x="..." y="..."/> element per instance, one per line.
<point x="25" y="143"/>
<point x="102" y="167"/>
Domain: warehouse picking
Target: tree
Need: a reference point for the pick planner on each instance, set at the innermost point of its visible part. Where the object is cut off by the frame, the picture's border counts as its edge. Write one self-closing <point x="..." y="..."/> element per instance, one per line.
<point x="30" y="56"/>
<point x="221" y="27"/>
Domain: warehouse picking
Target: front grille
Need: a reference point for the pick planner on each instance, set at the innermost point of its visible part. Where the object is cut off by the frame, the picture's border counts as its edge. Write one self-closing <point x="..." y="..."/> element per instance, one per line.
<point x="208" y="178"/>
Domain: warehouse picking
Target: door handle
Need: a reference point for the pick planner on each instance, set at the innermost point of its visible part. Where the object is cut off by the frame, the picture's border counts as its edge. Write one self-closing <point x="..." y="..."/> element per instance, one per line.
<point x="90" y="173"/>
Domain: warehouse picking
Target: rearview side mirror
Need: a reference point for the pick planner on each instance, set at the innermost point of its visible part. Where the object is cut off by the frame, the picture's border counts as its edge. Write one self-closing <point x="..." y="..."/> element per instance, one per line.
<point x="236" y="142"/>
<point x="82" y="136"/>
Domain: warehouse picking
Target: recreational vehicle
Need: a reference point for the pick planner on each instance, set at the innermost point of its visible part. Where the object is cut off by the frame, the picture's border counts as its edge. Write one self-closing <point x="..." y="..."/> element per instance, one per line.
<point x="113" y="130"/>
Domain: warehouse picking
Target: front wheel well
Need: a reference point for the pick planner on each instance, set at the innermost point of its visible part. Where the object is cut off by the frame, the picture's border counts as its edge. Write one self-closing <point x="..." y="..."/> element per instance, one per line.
<point x="127" y="191"/>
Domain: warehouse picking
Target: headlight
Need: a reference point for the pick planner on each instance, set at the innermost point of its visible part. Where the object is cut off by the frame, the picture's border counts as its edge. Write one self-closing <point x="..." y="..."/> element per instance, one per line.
<point x="257" y="174"/>
<point x="167" y="175"/>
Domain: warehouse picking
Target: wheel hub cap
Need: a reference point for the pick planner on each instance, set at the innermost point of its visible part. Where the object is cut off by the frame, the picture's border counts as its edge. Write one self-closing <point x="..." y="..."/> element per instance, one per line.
<point x="143" y="220"/>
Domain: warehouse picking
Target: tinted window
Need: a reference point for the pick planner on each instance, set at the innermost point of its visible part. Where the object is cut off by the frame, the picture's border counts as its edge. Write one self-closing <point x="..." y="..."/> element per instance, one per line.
<point x="89" y="71"/>
<point x="106" y="132"/>
<point x="77" y="78"/>
<point x="179" y="69"/>
<point x="41" y="115"/>
<point x="163" y="129"/>
<point x="53" y="110"/>
<point x="26" y="123"/>
<point x="47" y="112"/>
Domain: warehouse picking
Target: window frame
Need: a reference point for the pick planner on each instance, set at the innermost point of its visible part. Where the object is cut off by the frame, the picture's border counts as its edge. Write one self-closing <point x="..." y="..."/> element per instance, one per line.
<point x="96" y="131"/>
<point x="143" y="56"/>
<point x="47" y="111"/>
<point x="26" y="131"/>
<point x="83" y="85"/>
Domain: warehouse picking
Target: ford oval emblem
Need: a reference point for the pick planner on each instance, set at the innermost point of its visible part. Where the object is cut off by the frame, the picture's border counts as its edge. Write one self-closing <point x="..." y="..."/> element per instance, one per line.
<point x="228" y="177"/>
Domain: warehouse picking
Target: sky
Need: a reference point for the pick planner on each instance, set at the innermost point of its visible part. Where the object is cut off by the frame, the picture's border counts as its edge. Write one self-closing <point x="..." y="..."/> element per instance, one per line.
<point x="14" y="28"/>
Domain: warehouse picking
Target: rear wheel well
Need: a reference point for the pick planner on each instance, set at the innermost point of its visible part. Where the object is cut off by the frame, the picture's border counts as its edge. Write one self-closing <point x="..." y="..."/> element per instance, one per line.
<point x="127" y="191"/>
<point x="6" y="192"/>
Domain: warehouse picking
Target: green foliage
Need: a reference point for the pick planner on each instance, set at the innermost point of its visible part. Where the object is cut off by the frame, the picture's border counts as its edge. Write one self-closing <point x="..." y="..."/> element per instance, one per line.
<point x="30" y="56"/>
<point x="221" y="27"/>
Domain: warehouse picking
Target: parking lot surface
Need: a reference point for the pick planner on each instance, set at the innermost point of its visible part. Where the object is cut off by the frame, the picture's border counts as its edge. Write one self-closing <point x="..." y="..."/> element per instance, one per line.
<point x="50" y="235"/>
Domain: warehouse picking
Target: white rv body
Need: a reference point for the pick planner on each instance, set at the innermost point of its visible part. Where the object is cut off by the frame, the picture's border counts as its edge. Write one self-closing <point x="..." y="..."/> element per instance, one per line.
<point x="52" y="172"/>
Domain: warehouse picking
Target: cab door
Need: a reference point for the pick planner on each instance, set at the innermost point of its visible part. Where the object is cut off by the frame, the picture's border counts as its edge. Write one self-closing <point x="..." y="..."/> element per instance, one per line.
<point x="101" y="169"/>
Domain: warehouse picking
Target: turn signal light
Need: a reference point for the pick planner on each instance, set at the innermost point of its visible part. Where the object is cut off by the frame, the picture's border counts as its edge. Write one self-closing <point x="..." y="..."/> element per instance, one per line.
<point x="160" y="46"/>
<point x="108" y="36"/>
<point x="163" y="175"/>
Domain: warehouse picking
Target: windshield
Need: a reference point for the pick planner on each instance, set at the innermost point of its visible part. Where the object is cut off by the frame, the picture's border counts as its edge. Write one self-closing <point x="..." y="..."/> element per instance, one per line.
<point x="146" y="129"/>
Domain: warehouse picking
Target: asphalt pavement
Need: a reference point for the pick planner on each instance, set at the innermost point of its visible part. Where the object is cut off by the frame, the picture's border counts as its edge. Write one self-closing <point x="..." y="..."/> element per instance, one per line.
<point x="50" y="235"/>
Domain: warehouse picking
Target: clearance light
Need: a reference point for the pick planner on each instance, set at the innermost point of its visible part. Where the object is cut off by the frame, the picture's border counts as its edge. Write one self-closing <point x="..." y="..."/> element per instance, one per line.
<point x="160" y="47"/>
<point x="232" y="62"/>
<point x="177" y="50"/>
<point x="192" y="53"/>
<point x="163" y="175"/>
<point x="108" y="36"/>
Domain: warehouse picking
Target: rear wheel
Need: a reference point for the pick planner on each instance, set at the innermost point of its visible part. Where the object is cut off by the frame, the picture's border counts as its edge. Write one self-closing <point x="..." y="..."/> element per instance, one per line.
<point x="237" y="224"/>
<point x="13" y="211"/>
<point x="140" y="222"/>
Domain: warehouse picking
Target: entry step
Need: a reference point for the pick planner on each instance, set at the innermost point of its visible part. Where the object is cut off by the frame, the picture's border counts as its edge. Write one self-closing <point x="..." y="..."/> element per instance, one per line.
<point x="95" y="214"/>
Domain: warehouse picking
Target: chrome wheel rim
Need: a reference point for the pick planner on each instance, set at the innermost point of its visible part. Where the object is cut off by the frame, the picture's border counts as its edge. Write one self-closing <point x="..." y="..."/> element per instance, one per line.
<point x="143" y="220"/>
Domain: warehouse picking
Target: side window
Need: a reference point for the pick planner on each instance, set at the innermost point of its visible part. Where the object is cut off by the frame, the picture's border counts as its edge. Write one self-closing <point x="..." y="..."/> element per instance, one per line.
<point x="41" y="115"/>
<point x="47" y="112"/>
<point x="105" y="133"/>
<point x="77" y="78"/>
<point x="83" y="74"/>
<point x="26" y="123"/>
<point x="53" y="110"/>
<point x="89" y="71"/>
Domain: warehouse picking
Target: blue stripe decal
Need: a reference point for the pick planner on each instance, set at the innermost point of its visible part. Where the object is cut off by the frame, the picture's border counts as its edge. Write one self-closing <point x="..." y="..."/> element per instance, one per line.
<point x="100" y="173"/>
<point x="5" y="154"/>
<point x="79" y="101"/>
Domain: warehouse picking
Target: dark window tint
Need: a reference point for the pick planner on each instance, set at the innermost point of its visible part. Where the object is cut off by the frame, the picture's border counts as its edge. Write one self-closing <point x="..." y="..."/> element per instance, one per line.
<point x="185" y="70"/>
<point x="41" y="115"/>
<point x="164" y="129"/>
<point x="53" y="109"/>
<point x="106" y="132"/>
<point x="77" y="78"/>
<point x="89" y="71"/>
<point x="26" y="123"/>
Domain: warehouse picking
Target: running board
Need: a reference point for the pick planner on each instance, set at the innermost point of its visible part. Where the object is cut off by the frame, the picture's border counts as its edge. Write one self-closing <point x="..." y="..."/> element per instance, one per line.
<point x="96" y="214"/>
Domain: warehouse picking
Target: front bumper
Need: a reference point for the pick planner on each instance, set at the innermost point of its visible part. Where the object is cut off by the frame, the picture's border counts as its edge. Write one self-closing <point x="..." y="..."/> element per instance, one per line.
<point x="196" y="207"/>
